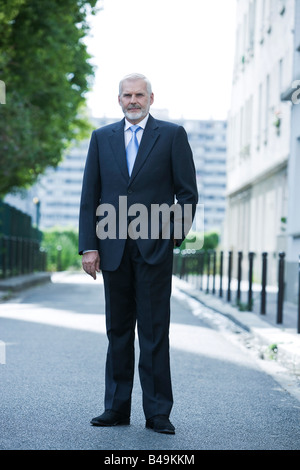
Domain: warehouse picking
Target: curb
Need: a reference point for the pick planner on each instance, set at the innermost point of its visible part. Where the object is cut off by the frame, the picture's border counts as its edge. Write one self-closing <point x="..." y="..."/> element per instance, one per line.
<point x="18" y="283"/>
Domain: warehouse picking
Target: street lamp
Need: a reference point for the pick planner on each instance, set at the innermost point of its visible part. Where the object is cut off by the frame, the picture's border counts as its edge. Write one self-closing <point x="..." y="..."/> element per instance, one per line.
<point x="37" y="203"/>
<point x="58" y="263"/>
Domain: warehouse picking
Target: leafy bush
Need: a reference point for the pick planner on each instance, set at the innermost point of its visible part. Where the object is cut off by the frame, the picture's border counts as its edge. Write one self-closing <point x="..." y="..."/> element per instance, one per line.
<point x="62" y="249"/>
<point x="197" y="241"/>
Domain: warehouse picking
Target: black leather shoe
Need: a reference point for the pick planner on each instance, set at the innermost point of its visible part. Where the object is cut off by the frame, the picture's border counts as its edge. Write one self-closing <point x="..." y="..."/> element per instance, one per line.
<point x="110" y="418"/>
<point x="160" y="424"/>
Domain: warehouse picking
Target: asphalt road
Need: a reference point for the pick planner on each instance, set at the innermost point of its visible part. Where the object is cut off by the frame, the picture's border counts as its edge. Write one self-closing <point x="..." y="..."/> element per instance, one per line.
<point x="52" y="384"/>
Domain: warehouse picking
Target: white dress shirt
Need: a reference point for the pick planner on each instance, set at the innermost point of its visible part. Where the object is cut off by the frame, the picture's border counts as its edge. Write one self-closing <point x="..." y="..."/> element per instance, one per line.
<point x="139" y="133"/>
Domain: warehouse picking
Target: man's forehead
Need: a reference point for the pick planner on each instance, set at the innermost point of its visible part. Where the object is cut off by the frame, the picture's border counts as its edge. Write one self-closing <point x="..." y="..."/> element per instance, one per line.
<point x="134" y="85"/>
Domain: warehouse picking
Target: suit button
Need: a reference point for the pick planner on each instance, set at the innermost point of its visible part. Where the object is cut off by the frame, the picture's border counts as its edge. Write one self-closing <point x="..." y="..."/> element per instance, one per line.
<point x="129" y="191"/>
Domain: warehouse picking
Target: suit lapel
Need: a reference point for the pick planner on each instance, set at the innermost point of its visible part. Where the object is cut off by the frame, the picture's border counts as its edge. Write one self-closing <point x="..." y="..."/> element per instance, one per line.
<point x="117" y="143"/>
<point x="149" y="138"/>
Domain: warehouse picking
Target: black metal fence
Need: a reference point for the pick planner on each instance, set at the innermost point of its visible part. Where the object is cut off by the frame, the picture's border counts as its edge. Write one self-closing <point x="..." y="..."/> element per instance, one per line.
<point x="205" y="267"/>
<point x="20" y="243"/>
<point x="20" y="256"/>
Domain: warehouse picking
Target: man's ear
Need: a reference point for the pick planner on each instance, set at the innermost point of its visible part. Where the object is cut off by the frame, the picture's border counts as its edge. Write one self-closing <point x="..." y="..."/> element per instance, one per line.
<point x="151" y="98"/>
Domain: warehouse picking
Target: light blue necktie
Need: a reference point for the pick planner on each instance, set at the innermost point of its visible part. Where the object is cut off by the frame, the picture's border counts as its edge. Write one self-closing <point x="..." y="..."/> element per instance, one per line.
<point x="132" y="148"/>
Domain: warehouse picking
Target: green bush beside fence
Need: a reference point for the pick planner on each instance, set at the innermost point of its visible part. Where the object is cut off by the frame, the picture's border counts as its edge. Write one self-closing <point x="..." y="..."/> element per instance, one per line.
<point x="61" y="245"/>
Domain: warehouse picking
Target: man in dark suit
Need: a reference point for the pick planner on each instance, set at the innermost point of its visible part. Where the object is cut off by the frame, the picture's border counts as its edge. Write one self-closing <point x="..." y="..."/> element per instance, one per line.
<point x="126" y="231"/>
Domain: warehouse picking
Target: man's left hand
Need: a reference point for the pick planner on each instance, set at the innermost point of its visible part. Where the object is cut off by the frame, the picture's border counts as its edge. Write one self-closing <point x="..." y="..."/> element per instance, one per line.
<point x="91" y="263"/>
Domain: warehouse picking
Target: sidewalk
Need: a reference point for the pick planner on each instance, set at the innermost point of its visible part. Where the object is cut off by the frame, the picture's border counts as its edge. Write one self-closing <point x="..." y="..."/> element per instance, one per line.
<point x="18" y="283"/>
<point x="280" y="340"/>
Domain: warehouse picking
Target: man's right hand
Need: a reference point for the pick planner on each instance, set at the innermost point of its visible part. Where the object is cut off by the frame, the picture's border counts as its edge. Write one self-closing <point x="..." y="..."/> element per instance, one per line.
<point x="91" y="263"/>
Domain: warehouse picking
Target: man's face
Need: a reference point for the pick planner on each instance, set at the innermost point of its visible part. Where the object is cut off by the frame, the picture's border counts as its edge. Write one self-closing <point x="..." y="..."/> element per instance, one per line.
<point x="135" y="100"/>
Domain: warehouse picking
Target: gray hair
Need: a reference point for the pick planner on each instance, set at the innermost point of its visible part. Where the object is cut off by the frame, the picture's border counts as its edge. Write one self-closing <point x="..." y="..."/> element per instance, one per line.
<point x="135" y="76"/>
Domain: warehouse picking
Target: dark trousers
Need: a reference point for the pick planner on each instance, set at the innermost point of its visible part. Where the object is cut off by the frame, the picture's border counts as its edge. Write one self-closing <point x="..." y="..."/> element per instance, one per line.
<point x="138" y="293"/>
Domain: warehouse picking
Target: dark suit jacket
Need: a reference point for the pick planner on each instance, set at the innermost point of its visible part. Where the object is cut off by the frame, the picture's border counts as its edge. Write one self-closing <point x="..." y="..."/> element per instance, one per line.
<point x="163" y="170"/>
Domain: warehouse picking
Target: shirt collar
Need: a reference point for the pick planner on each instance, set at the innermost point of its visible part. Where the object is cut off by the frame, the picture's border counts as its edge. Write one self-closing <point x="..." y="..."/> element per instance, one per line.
<point x="142" y="124"/>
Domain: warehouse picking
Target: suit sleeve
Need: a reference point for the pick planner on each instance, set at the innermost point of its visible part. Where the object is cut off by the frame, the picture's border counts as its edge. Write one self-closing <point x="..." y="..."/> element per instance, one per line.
<point x="185" y="184"/>
<point x="90" y="197"/>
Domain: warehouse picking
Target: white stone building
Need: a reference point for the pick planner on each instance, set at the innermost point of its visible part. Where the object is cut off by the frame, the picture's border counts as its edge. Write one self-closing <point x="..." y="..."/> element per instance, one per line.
<point x="263" y="138"/>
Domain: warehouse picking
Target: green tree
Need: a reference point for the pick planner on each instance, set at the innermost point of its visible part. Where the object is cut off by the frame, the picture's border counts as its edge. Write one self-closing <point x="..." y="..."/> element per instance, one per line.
<point x="45" y="66"/>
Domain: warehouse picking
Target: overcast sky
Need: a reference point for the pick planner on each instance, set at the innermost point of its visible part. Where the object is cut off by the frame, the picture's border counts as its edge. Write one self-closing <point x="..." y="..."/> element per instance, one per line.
<point x="186" y="49"/>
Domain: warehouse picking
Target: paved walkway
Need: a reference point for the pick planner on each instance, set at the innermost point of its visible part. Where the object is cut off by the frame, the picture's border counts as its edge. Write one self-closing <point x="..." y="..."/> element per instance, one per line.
<point x="267" y="332"/>
<point x="52" y="381"/>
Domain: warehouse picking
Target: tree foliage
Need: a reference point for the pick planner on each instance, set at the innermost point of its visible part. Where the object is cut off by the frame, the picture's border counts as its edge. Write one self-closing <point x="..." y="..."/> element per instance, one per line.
<point x="45" y="66"/>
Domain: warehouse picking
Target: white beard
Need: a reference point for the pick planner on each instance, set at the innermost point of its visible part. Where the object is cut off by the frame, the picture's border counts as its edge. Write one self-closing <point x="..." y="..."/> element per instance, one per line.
<point x="134" y="115"/>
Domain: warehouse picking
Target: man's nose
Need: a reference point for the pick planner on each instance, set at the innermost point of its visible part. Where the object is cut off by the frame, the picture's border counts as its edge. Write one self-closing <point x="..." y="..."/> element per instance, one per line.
<point x="133" y="99"/>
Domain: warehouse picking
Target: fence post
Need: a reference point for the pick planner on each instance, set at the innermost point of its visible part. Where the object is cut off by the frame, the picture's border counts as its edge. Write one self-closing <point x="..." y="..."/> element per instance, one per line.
<point x="4" y="256"/>
<point x="29" y="242"/>
<point x="208" y="271"/>
<point x="238" y="294"/>
<point x="10" y="255"/>
<point x="175" y="262"/>
<point x="214" y="272"/>
<point x="263" y="284"/>
<point x="198" y="268"/>
<point x="23" y="256"/>
<point x="201" y="269"/>
<point x="280" y="288"/>
<point x="182" y="266"/>
<point x="221" y="274"/>
<point x="44" y="260"/>
<point x="2" y="248"/>
<point x="229" y="275"/>
<point x="298" y="295"/>
<point x="251" y="256"/>
<point x="18" y="264"/>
